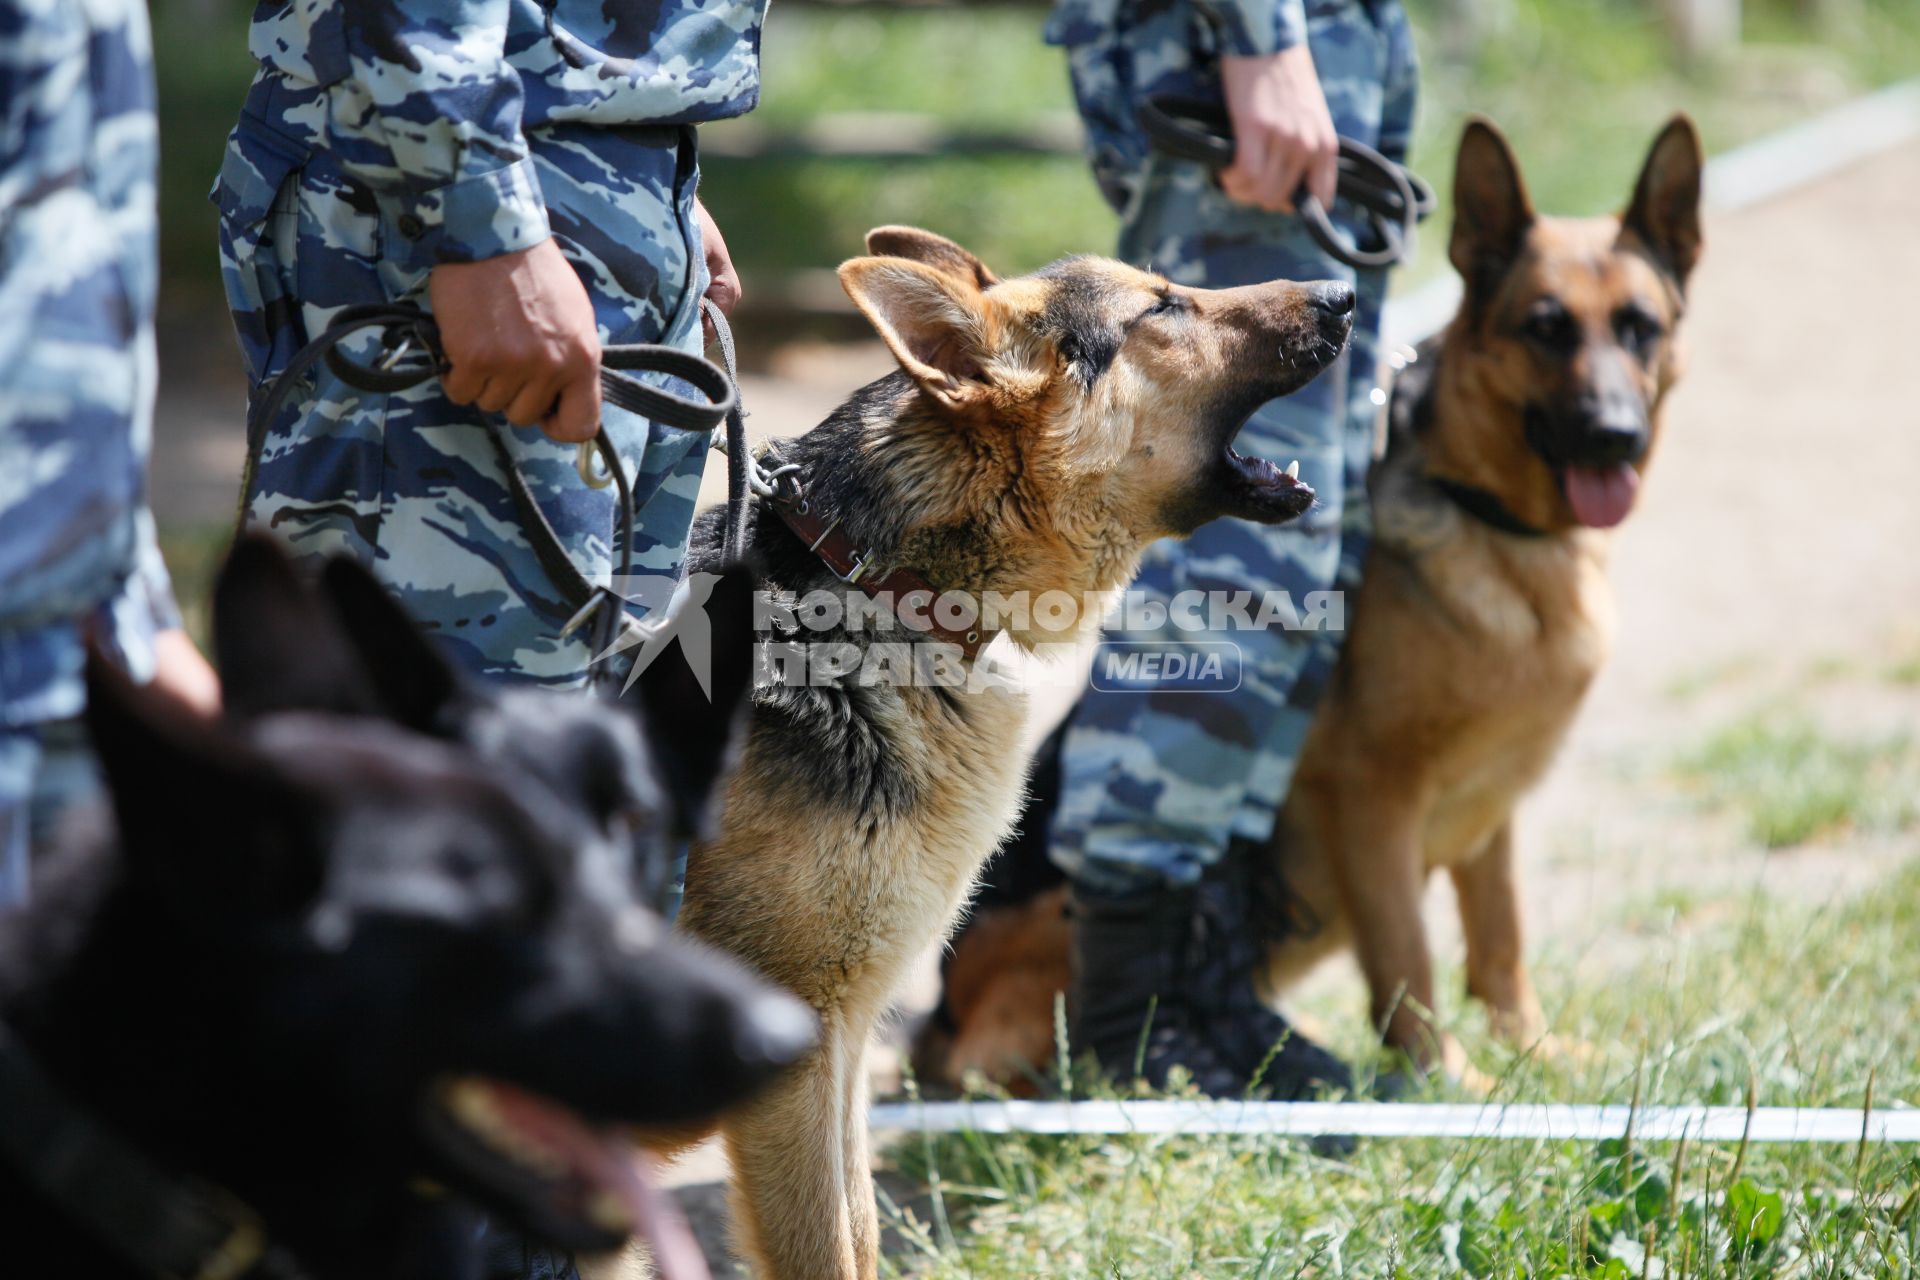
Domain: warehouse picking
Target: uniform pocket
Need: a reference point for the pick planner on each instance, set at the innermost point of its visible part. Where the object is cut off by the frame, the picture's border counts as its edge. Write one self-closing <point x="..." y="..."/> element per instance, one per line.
<point x="255" y="193"/>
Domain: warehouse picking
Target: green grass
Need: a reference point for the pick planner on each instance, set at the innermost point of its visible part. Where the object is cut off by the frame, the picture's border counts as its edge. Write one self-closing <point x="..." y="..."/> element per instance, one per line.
<point x="1792" y="782"/>
<point x="1804" y="1006"/>
<point x="1580" y="85"/>
<point x="1905" y="670"/>
<point x="203" y="69"/>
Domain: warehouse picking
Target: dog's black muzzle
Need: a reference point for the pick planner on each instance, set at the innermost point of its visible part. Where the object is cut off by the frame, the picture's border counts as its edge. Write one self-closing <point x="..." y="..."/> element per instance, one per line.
<point x="1588" y="433"/>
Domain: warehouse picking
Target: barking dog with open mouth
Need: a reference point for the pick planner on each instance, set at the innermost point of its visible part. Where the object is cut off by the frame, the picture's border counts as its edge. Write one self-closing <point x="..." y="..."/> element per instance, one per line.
<point x="1039" y="434"/>
<point x="328" y="959"/>
<point x="1518" y="441"/>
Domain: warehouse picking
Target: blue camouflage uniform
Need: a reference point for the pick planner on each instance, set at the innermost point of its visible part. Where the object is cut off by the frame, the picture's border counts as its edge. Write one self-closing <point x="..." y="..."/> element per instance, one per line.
<point x="1157" y="782"/>
<point x="78" y="156"/>
<point x="382" y="137"/>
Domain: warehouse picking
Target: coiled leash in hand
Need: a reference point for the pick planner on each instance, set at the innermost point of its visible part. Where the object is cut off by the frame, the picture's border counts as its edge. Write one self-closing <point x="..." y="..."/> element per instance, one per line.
<point x="411" y="354"/>
<point x="1392" y="197"/>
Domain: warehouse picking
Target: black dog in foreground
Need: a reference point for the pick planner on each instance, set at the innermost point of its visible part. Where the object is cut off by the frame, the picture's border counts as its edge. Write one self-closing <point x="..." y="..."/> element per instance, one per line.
<point x="337" y="985"/>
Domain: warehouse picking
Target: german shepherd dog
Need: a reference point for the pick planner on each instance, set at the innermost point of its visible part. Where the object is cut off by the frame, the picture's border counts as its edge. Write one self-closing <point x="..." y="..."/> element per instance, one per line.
<point x="1484" y="611"/>
<point x="327" y="961"/>
<point x="1516" y="443"/>
<point x="1039" y="434"/>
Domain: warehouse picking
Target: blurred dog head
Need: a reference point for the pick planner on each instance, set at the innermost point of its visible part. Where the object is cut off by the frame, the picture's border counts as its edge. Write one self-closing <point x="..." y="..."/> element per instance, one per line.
<point x="438" y="879"/>
<point x="1568" y="340"/>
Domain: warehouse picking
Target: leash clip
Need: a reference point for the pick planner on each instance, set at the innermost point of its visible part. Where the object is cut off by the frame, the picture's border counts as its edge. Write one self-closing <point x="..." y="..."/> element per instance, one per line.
<point x="595" y="602"/>
<point x="396" y="352"/>
<point x="590" y="475"/>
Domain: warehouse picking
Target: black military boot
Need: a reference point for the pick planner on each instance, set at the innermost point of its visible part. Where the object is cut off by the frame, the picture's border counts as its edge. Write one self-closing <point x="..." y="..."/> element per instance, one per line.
<point x="1255" y="1039"/>
<point x="1138" y="1001"/>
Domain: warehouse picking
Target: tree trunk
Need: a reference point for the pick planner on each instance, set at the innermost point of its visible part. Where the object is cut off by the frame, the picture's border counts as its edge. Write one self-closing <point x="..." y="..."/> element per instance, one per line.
<point x="1704" y="28"/>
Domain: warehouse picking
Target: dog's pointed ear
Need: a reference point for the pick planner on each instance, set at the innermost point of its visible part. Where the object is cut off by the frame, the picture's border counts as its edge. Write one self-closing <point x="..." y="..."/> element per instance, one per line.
<point x="693" y="738"/>
<point x="935" y="323"/>
<point x="276" y="642"/>
<point x="202" y="818"/>
<point x="416" y="683"/>
<point x="934" y="250"/>
<point x="1665" y="213"/>
<point x="1492" y="212"/>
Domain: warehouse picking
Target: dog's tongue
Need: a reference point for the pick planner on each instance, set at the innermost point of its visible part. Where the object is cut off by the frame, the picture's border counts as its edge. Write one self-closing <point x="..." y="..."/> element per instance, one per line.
<point x="1601" y="496"/>
<point x="608" y="1163"/>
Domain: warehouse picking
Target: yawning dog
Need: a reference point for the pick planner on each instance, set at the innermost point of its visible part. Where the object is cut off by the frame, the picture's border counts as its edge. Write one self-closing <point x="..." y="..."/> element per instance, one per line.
<point x="327" y="961"/>
<point x="1039" y="434"/>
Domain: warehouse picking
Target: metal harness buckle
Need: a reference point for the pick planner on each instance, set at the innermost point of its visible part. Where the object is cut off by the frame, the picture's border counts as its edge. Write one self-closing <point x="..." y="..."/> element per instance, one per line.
<point x="861" y="563"/>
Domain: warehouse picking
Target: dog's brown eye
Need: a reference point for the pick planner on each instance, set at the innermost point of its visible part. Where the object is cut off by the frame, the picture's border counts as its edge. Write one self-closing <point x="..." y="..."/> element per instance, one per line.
<point x="1169" y="304"/>
<point x="1551" y="326"/>
<point x="1637" y="328"/>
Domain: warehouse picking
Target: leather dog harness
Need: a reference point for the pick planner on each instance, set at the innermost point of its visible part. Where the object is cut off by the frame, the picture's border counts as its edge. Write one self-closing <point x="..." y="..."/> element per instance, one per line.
<point x="156" y="1220"/>
<point x="780" y="487"/>
<point x="1413" y="406"/>
<point x="909" y="593"/>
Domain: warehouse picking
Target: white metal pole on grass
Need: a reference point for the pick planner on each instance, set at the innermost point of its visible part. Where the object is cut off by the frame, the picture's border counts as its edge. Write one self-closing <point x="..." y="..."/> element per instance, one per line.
<point x="1551" y="1122"/>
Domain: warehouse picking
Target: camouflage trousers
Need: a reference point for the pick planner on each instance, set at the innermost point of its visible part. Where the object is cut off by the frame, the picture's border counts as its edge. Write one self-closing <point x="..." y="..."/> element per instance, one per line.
<point x="1156" y="780"/>
<point x="409" y="483"/>
<point x="46" y="772"/>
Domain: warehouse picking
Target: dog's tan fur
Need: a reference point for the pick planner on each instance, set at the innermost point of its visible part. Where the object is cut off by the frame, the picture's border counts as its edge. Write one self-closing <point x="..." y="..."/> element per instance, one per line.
<point x="1004" y="470"/>
<point x="1009" y="965"/>
<point x="1471" y="650"/>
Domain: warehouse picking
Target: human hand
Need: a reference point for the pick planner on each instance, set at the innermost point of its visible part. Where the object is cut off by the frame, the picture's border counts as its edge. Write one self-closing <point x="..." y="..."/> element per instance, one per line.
<point x="520" y="339"/>
<point x="1283" y="133"/>
<point x="183" y="674"/>
<point x="723" y="282"/>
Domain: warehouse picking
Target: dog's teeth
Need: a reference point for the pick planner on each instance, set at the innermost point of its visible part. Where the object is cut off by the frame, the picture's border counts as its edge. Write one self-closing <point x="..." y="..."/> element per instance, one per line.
<point x="1293" y="469"/>
<point x="472" y="1105"/>
<point x="608" y="1211"/>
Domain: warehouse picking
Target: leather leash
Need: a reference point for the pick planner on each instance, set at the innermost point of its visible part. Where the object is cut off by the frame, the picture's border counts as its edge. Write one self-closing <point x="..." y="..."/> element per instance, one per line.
<point x="1392" y="198"/>
<point x="411" y="354"/>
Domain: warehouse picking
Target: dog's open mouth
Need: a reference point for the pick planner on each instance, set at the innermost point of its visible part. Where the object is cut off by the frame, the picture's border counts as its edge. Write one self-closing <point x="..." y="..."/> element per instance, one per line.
<point x="1263" y="491"/>
<point x="576" y="1184"/>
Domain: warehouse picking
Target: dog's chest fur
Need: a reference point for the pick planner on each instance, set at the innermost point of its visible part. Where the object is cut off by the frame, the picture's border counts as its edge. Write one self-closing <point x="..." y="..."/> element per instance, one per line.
<point x="853" y="831"/>
<point x="1495" y="639"/>
<point x="862" y="810"/>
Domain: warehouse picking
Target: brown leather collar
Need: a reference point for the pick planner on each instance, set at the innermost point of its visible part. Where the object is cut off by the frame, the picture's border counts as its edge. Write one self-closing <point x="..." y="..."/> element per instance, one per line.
<point x="912" y="596"/>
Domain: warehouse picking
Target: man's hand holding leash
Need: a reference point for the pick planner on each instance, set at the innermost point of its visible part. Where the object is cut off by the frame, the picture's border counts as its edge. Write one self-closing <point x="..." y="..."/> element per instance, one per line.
<point x="1283" y="132"/>
<point x="520" y="339"/>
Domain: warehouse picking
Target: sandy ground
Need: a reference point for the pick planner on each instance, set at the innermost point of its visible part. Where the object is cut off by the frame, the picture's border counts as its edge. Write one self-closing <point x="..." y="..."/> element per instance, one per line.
<point x="1775" y="556"/>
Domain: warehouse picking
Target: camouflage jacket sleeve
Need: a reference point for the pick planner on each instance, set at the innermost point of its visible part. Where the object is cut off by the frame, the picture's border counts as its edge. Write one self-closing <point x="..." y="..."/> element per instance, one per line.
<point x="1251" y="28"/>
<point x="433" y="117"/>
